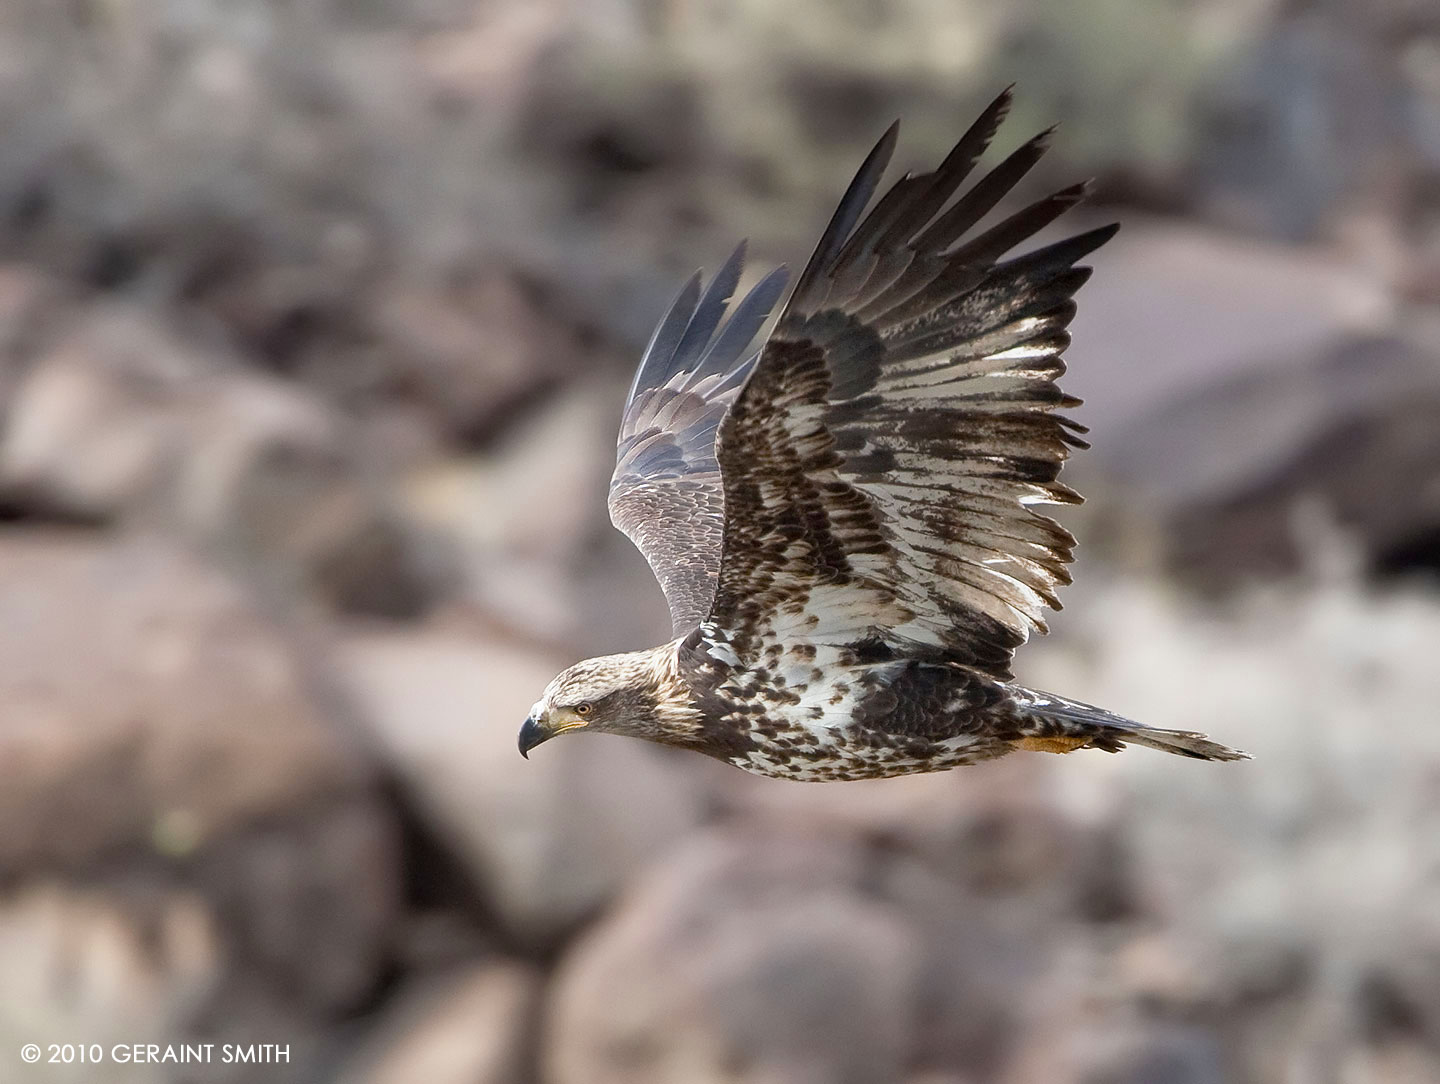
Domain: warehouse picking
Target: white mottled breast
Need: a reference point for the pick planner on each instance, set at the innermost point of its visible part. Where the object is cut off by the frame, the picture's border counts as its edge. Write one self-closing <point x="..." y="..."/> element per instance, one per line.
<point x="827" y="690"/>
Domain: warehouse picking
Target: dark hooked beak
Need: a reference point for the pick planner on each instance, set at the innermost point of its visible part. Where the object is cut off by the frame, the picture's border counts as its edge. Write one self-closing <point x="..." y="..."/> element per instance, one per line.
<point x="531" y="735"/>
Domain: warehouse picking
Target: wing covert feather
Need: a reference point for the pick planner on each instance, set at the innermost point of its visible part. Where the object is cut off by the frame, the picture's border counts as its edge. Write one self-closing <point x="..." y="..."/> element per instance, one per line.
<point x="666" y="492"/>
<point x="882" y="463"/>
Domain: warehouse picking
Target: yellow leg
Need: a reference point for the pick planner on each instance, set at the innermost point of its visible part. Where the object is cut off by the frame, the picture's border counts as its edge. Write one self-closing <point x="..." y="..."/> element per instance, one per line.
<point x="1051" y="745"/>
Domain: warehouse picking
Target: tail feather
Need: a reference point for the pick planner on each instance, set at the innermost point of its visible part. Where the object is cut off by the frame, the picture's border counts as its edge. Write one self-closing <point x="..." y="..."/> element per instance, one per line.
<point x="1046" y="716"/>
<point x="1185" y="743"/>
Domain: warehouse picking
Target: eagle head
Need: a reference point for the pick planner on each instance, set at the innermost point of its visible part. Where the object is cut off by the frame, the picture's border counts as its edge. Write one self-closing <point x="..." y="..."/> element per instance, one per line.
<point x="638" y="693"/>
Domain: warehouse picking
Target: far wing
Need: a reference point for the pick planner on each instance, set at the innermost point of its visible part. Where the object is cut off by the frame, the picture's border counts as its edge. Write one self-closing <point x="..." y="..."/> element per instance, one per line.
<point x="665" y="493"/>
<point x="882" y="464"/>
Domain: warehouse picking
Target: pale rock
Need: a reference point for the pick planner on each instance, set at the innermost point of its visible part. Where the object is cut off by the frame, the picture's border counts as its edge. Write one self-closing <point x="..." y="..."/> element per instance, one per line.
<point x="125" y="419"/>
<point x="86" y="966"/>
<point x="468" y="1028"/>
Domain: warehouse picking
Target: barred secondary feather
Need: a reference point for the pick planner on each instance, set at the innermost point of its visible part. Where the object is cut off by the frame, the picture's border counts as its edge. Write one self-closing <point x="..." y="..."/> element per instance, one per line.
<point x="845" y="523"/>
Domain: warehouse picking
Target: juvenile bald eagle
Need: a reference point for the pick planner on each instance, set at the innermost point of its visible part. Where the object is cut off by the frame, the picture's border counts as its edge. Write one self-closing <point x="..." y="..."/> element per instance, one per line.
<point x="843" y="522"/>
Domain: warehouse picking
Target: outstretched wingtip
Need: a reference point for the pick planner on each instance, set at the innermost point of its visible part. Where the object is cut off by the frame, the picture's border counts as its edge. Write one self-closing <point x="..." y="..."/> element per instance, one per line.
<point x="880" y="154"/>
<point x="852" y="205"/>
<point x="667" y="335"/>
<point x="999" y="108"/>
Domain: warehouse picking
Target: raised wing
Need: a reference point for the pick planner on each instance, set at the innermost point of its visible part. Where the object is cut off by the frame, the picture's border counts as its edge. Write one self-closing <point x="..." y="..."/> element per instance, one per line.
<point x="666" y="493"/>
<point x="882" y="462"/>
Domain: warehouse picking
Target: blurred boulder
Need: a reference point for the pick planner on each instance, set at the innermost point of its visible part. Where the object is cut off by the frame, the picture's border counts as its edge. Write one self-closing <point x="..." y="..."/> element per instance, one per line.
<point x="84" y="965"/>
<point x="126" y="419"/>
<point x="1352" y="427"/>
<point x="469" y="1028"/>
<point x="774" y="955"/>
<point x="1302" y="110"/>
<point x="32" y="303"/>
<point x="1000" y="830"/>
<point x="1290" y="901"/>
<point x="131" y="959"/>
<point x="158" y="726"/>
<point x="1101" y="1051"/>
<point x="1398" y="992"/>
<point x="529" y="527"/>
<point x="470" y="353"/>
<point x="551" y="840"/>
<point x="744" y="959"/>
<point x="648" y="121"/>
<point x="99" y="419"/>
<point x="1174" y="310"/>
<point x="1230" y="383"/>
<point x="1321" y="114"/>
<point x="1374" y="479"/>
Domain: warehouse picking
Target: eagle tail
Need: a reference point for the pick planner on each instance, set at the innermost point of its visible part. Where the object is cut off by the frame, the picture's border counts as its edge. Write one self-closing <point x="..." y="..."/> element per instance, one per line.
<point x="1054" y="724"/>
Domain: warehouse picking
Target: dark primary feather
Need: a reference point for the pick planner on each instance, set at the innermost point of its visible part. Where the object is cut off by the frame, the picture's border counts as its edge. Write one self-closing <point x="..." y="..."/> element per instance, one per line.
<point x="666" y="492"/>
<point x="701" y="328"/>
<point x="852" y="203"/>
<point x="881" y="463"/>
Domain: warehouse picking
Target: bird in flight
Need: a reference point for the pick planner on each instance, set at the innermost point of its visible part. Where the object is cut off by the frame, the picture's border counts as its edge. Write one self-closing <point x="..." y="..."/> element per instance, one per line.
<point x="844" y="521"/>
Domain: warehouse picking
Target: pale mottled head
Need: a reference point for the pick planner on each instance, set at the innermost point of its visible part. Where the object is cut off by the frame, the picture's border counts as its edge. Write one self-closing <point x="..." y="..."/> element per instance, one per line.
<point x="636" y="693"/>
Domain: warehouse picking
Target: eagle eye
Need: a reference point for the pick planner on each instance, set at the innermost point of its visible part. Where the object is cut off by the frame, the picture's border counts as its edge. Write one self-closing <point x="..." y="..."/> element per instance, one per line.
<point x="584" y="708"/>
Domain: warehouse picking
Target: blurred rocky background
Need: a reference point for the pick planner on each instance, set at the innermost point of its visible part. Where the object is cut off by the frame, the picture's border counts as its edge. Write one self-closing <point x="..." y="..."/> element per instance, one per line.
<point x="315" y="319"/>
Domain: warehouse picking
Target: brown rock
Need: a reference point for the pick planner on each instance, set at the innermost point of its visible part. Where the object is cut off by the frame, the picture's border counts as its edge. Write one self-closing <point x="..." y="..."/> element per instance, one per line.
<point x="1002" y="830"/>
<point x="1224" y="307"/>
<point x="471" y="353"/>
<point x="147" y="704"/>
<point x="787" y="956"/>
<point x="156" y="724"/>
<point x="1372" y="477"/>
<point x="1345" y="429"/>
<point x="741" y="960"/>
